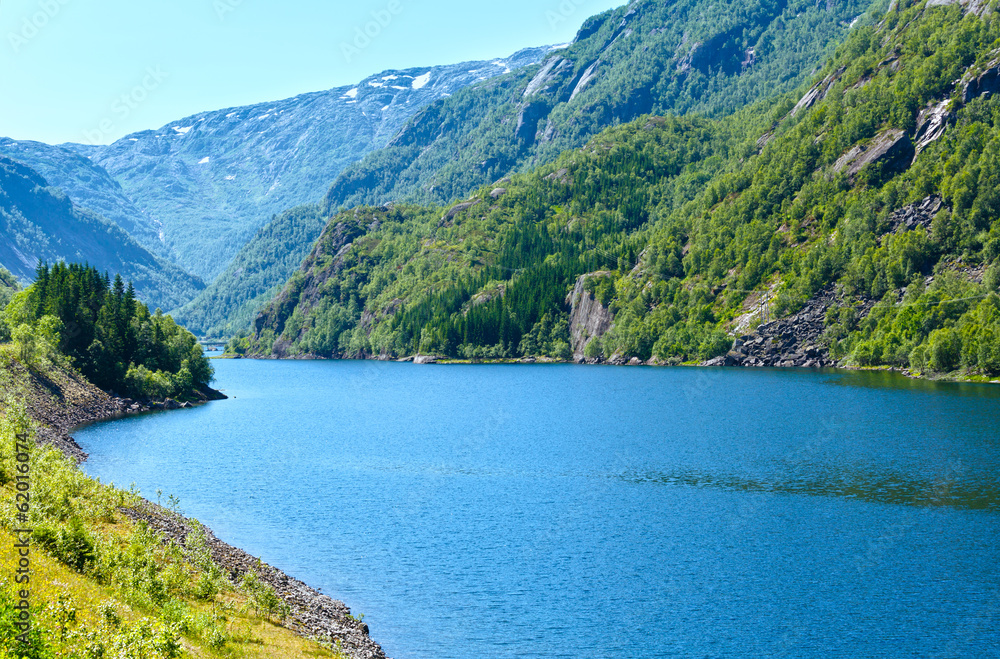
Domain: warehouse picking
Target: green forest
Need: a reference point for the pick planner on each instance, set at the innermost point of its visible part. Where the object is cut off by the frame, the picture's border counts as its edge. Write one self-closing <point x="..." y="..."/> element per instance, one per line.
<point x="229" y="305"/>
<point x="74" y="313"/>
<point x="690" y="216"/>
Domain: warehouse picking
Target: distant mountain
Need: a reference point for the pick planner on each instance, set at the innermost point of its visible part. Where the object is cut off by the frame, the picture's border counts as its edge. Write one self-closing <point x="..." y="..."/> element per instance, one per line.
<point x="198" y="189"/>
<point x="257" y="273"/>
<point x="646" y="57"/>
<point x="88" y="184"/>
<point x="38" y="222"/>
<point x="649" y="56"/>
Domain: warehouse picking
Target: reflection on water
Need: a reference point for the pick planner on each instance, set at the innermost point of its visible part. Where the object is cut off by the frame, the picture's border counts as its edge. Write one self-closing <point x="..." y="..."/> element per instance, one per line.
<point x="883" y="380"/>
<point x="951" y="489"/>
<point x="558" y="512"/>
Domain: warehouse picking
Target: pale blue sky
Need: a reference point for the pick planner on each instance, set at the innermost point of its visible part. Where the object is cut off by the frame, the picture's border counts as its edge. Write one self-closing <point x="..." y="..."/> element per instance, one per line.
<point x="64" y="64"/>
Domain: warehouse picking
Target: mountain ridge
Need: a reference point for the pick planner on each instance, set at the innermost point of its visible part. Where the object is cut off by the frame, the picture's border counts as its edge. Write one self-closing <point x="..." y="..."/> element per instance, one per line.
<point x="862" y="211"/>
<point x="644" y="57"/>
<point x="207" y="182"/>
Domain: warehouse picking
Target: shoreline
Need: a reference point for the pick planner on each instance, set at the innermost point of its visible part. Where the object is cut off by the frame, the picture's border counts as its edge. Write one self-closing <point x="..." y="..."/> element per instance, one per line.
<point x="635" y="362"/>
<point x="313" y="615"/>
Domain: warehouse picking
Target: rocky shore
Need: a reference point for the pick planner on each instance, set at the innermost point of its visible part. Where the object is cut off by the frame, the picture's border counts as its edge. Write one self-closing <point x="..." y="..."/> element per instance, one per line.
<point x="312" y="614"/>
<point x="61" y="406"/>
<point x="792" y="342"/>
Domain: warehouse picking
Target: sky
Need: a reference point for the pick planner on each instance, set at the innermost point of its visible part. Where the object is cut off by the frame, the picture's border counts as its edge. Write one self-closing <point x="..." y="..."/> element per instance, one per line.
<point x="94" y="71"/>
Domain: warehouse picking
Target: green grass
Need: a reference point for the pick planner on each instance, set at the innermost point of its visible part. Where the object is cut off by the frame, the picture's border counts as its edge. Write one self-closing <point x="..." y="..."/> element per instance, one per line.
<point x="103" y="585"/>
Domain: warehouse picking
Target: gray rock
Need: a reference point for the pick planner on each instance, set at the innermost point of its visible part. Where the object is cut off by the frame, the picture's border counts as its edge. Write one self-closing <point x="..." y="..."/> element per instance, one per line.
<point x="458" y="208"/>
<point x="588" y="318"/>
<point x="932" y="122"/>
<point x="892" y="148"/>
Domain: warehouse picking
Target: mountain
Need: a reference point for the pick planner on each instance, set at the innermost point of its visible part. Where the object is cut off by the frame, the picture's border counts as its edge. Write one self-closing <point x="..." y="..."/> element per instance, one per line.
<point x="197" y="190"/>
<point x="88" y="185"/>
<point x="854" y="222"/>
<point x="257" y="273"/>
<point x="645" y="57"/>
<point x="648" y="56"/>
<point x="39" y="222"/>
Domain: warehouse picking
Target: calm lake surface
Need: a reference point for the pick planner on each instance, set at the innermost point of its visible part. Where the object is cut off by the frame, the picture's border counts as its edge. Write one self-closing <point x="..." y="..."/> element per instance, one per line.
<point x="568" y="511"/>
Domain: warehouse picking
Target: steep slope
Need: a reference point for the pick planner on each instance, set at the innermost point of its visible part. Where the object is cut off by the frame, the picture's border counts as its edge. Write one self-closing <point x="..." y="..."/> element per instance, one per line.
<point x="863" y="212"/>
<point x="230" y="303"/>
<point x="88" y="185"/>
<point x="649" y="56"/>
<point x="38" y="222"/>
<point x="207" y="183"/>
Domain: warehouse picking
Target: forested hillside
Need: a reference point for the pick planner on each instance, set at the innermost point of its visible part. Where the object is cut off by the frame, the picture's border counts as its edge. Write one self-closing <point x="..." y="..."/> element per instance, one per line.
<point x="39" y="222"/>
<point x="89" y="186"/>
<point x="648" y="56"/>
<point x="257" y="273"/>
<point x="870" y="198"/>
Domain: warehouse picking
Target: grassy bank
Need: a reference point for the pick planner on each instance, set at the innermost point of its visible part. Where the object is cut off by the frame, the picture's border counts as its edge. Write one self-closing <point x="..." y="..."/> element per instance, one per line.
<point x="103" y="582"/>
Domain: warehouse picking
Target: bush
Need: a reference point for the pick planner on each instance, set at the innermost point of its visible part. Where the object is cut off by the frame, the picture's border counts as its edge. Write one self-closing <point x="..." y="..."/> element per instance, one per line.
<point x="918" y="358"/>
<point x="69" y="543"/>
<point x="27" y="344"/>
<point x="35" y="648"/>
<point x="715" y="344"/>
<point x="140" y="382"/>
<point x="263" y="599"/>
<point x="945" y="350"/>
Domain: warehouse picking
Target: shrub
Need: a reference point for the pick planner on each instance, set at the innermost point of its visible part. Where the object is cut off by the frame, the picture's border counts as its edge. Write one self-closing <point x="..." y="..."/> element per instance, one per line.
<point x="945" y="350"/>
<point x="262" y="598"/>
<point x="140" y="382"/>
<point x="69" y="543"/>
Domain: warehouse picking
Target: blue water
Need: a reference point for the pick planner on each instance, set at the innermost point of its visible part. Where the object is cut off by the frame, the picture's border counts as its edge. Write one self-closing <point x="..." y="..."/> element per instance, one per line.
<point x="565" y="511"/>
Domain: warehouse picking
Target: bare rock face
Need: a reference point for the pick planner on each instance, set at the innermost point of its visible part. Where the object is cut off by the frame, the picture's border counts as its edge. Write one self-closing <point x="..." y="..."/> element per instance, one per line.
<point x="817" y="93"/>
<point x="987" y="82"/>
<point x="588" y="318"/>
<point x="977" y="7"/>
<point x="528" y="119"/>
<point x="458" y="208"/>
<point x="893" y="148"/>
<point x="932" y="122"/>
<point x="585" y="79"/>
<point x="547" y="76"/>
